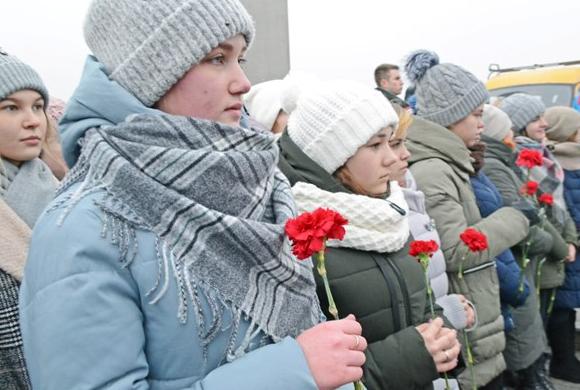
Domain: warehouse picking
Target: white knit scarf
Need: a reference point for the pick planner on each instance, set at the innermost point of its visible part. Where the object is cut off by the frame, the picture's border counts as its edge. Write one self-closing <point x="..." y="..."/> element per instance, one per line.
<point x="373" y="224"/>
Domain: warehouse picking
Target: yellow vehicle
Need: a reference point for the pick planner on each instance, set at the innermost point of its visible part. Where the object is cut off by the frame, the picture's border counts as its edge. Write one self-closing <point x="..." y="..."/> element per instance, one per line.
<point x="558" y="84"/>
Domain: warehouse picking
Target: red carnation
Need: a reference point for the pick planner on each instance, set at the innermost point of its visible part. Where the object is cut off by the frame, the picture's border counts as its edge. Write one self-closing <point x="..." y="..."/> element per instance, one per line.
<point x="475" y="241"/>
<point x="419" y="247"/>
<point x="530" y="158"/>
<point x="530" y="188"/>
<point x="546" y="199"/>
<point x="309" y="231"/>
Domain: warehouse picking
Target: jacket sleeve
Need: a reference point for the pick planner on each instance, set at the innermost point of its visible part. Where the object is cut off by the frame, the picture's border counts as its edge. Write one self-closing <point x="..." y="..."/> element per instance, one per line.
<point x="570" y="234"/>
<point x="509" y="186"/>
<point x="400" y="361"/>
<point x="559" y="249"/>
<point x="83" y="327"/>
<point x="503" y="228"/>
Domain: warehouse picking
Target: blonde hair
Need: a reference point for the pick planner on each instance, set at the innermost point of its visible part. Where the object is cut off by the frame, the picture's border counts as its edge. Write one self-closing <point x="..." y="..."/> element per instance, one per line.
<point x="405" y="120"/>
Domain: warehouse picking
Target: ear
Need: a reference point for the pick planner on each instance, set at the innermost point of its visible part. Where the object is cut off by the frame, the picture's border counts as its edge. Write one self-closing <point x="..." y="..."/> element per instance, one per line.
<point x="384" y="83"/>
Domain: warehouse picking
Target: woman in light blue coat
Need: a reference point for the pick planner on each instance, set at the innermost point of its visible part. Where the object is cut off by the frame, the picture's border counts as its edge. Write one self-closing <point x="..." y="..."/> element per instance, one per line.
<point x="162" y="263"/>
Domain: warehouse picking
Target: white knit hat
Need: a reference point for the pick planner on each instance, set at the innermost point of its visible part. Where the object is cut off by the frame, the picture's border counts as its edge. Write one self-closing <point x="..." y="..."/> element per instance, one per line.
<point x="332" y="121"/>
<point x="264" y="101"/>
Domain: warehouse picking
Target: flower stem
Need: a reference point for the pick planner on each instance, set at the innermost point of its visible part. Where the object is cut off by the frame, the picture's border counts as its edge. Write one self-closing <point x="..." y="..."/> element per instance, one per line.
<point x="470" y="360"/>
<point x="424" y="260"/>
<point x="539" y="277"/>
<point x="332" y="309"/>
<point x="551" y="305"/>
<point x="523" y="266"/>
<point x="460" y="276"/>
<point x="321" y="267"/>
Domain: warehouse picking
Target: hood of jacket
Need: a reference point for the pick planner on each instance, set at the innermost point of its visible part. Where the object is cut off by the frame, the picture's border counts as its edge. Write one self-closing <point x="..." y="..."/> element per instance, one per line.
<point x="97" y="101"/>
<point x="428" y="140"/>
<point x="498" y="150"/>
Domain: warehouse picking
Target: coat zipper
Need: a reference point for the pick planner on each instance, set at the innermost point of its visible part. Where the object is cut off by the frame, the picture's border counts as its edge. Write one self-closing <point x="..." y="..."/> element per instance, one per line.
<point x="404" y="291"/>
<point x="479" y="267"/>
<point x="393" y="293"/>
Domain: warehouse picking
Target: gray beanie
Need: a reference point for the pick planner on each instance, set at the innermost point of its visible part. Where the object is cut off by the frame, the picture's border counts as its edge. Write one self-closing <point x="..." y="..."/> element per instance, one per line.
<point x="148" y="46"/>
<point x="522" y="109"/>
<point x="563" y="123"/>
<point x="446" y="93"/>
<point x="496" y="123"/>
<point x="15" y="76"/>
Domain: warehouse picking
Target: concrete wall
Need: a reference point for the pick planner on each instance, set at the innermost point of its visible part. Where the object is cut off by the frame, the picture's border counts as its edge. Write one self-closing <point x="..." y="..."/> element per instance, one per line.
<point x="269" y="57"/>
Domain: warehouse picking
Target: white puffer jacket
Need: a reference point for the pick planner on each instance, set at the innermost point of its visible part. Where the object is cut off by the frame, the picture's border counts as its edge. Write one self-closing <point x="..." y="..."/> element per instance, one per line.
<point x="423" y="228"/>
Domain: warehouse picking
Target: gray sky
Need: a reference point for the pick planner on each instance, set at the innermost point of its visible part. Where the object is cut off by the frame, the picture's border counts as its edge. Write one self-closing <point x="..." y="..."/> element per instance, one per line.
<point x="335" y="38"/>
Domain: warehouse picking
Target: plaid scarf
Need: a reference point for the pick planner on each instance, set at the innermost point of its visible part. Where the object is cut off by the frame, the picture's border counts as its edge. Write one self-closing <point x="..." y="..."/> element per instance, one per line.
<point x="550" y="176"/>
<point x="214" y="196"/>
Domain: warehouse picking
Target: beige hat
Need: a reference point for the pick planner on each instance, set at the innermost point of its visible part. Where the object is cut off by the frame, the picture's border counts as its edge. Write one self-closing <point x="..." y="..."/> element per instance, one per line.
<point x="563" y="123"/>
<point x="496" y="123"/>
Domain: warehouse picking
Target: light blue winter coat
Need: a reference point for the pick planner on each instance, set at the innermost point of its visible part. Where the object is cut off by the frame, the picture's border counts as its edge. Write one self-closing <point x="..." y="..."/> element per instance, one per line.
<point x="87" y="321"/>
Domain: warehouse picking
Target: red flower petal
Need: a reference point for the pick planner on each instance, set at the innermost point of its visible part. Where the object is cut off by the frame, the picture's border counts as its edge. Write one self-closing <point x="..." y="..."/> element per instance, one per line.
<point x="309" y="231"/>
<point x="530" y="158"/>
<point x="475" y="240"/>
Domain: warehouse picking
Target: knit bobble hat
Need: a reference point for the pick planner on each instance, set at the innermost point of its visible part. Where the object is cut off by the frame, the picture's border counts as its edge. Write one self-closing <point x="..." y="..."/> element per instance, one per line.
<point x="522" y="109"/>
<point x="264" y="101"/>
<point x="16" y="76"/>
<point x="148" y="46"/>
<point x="496" y="123"/>
<point x="332" y="121"/>
<point x="563" y="123"/>
<point x="446" y="93"/>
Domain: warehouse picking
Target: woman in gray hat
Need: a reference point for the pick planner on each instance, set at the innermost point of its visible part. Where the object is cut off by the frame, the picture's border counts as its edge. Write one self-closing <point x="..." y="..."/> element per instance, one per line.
<point x="450" y="105"/>
<point x="163" y="263"/>
<point x="528" y="122"/>
<point x="27" y="185"/>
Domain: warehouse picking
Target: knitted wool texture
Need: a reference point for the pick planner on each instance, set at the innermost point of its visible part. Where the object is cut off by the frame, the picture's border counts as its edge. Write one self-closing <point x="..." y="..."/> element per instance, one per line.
<point x="14" y="238"/>
<point x="16" y="76"/>
<point x="446" y="93"/>
<point x="563" y="123"/>
<point x="522" y="109"/>
<point x="215" y="197"/>
<point x="331" y="122"/>
<point x="373" y="225"/>
<point x="496" y="123"/>
<point x="264" y="101"/>
<point x="147" y="46"/>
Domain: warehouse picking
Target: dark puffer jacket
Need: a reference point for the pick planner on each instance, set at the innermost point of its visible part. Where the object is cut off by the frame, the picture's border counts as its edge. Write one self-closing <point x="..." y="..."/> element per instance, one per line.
<point x="508" y="272"/>
<point x="386" y="293"/>
<point x="568" y="153"/>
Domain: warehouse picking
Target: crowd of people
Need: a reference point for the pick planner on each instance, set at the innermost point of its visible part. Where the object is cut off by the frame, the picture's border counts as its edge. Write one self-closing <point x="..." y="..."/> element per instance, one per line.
<point x="143" y="241"/>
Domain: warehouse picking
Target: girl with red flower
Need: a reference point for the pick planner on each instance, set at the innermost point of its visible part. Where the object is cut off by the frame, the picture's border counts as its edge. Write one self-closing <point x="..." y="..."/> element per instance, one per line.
<point x="564" y="134"/>
<point x="440" y="163"/>
<point x="529" y="122"/>
<point x="334" y="158"/>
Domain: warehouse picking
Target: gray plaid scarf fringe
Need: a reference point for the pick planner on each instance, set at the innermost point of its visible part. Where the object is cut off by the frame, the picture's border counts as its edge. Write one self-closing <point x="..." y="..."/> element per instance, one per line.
<point x="217" y="202"/>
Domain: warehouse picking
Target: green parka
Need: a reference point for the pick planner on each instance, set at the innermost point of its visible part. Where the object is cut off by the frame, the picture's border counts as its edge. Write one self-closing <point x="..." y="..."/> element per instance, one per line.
<point x="441" y="165"/>
<point x="386" y="293"/>
<point x="500" y="168"/>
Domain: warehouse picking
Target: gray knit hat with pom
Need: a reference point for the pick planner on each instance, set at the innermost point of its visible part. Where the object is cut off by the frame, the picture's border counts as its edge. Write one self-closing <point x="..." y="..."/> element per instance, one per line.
<point x="446" y="93"/>
<point x="147" y="46"/>
<point x="522" y="109"/>
<point x="16" y="76"/>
